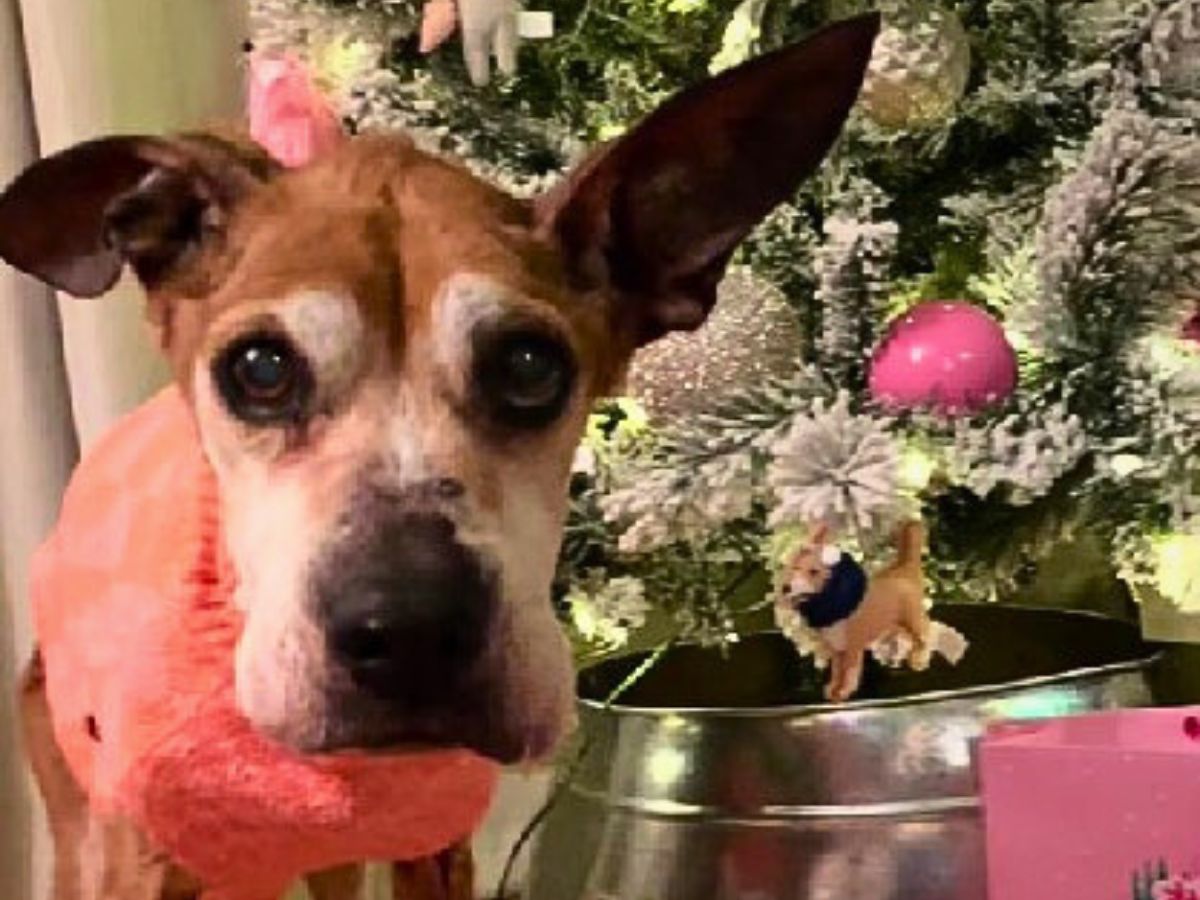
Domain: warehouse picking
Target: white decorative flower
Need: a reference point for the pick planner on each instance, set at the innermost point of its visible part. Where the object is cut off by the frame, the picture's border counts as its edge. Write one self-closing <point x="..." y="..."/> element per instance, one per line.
<point x="608" y="614"/>
<point x="664" y="505"/>
<point x="835" y="467"/>
<point x="919" y="68"/>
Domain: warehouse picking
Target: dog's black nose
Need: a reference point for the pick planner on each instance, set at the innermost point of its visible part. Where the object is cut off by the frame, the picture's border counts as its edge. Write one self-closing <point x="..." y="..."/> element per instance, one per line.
<point x="406" y="608"/>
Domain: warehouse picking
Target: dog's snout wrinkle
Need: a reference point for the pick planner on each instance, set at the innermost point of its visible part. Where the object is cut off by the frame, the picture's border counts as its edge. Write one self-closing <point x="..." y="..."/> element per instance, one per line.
<point x="429" y="496"/>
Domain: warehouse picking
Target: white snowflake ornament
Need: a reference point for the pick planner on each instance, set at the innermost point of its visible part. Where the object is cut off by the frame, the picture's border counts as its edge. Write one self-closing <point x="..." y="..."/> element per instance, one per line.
<point x="836" y="467"/>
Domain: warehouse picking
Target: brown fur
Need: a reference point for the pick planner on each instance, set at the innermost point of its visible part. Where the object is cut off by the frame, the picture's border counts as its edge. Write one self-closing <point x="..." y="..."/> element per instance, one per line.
<point x="894" y="606"/>
<point x="631" y="246"/>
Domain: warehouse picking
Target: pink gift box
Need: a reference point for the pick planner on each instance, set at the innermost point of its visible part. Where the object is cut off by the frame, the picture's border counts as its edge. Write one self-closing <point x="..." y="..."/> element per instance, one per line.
<point x="1096" y="807"/>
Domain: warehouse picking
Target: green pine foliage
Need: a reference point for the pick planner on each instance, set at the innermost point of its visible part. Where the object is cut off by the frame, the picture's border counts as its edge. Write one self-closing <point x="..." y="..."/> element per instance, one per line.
<point x="1061" y="193"/>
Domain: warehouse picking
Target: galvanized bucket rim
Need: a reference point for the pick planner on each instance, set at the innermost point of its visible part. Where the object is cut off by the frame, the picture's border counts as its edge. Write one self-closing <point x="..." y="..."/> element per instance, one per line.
<point x="854" y="707"/>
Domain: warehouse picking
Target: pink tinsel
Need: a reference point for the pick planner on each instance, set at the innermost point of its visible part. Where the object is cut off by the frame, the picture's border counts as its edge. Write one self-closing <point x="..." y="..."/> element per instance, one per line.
<point x="289" y="115"/>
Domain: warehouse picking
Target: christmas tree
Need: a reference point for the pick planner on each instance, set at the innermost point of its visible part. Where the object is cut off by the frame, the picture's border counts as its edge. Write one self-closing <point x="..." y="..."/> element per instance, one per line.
<point x="1017" y="194"/>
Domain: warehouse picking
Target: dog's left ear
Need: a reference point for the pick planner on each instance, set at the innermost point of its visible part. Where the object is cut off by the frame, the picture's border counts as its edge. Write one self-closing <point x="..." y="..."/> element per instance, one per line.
<point x="656" y="216"/>
<point x="76" y="218"/>
<point x="818" y="534"/>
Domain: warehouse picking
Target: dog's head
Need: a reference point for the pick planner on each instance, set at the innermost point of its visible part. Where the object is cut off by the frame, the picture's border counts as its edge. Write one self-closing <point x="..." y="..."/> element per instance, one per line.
<point x="811" y="565"/>
<point x="391" y="363"/>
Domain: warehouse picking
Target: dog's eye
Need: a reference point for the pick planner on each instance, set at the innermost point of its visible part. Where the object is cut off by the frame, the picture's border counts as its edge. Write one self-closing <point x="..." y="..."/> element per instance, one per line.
<point x="526" y="377"/>
<point x="263" y="380"/>
<point x="534" y="375"/>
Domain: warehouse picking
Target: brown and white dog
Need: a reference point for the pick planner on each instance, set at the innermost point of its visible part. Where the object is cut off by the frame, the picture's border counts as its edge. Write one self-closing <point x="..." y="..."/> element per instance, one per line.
<point x="390" y="363"/>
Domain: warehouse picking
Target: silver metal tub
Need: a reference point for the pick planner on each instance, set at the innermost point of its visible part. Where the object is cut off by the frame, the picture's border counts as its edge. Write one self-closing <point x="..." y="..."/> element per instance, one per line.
<point x="721" y="778"/>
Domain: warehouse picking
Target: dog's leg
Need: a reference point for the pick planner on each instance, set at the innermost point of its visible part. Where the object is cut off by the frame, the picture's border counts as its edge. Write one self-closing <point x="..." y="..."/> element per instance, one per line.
<point x="921" y="656"/>
<point x="837" y="668"/>
<point x="66" y="805"/>
<point x="94" y="858"/>
<point x="342" y="883"/>
<point x="118" y="863"/>
<point x="448" y="876"/>
<point x="847" y="674"/>
<point x="916" y="620"/>
<point x="459" y="865"/>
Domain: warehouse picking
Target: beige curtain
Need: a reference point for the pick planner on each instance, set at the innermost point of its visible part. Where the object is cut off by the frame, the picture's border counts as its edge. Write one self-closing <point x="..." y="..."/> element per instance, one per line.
<point x="72" y="70"/>
<point x="107" y="66"/>
<point x="37" y="448"/>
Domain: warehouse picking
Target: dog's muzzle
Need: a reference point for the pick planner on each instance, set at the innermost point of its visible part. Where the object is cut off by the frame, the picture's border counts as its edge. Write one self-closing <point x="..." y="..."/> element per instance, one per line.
<point x="407" y="618"/>
<point x="405" y="608"/>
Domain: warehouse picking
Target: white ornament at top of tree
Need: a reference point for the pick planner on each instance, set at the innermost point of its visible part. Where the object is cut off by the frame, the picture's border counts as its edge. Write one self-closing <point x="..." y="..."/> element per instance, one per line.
<point x="919" y="68"/>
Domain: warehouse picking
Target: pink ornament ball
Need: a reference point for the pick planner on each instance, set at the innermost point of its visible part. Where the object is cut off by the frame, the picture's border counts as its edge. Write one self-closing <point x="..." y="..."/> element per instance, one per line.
<point x="950" y="358"/>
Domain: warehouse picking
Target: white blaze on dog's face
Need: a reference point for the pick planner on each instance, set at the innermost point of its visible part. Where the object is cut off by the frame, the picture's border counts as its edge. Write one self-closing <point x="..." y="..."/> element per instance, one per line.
<point x="812" y="565"/>
<point x="391" y="364"/>
<point x="809" y="572"/>
<point x="456" y="443"/>
<point x="273" y="514"/>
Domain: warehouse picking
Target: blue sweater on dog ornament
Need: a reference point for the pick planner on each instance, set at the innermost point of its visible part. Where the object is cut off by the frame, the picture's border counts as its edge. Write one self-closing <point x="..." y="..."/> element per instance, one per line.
<point x="842" y="595"/>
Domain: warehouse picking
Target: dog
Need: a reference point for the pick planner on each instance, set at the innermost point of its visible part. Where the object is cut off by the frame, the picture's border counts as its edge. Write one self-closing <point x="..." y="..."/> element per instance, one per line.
<point x="828" y="592"/>
<point x="390" y="364"/>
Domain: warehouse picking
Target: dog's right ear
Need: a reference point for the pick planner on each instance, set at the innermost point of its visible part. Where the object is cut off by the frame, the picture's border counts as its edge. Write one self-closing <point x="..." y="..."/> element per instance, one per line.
<point x="75" y="219"/>
<point x="654" y="217"/>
